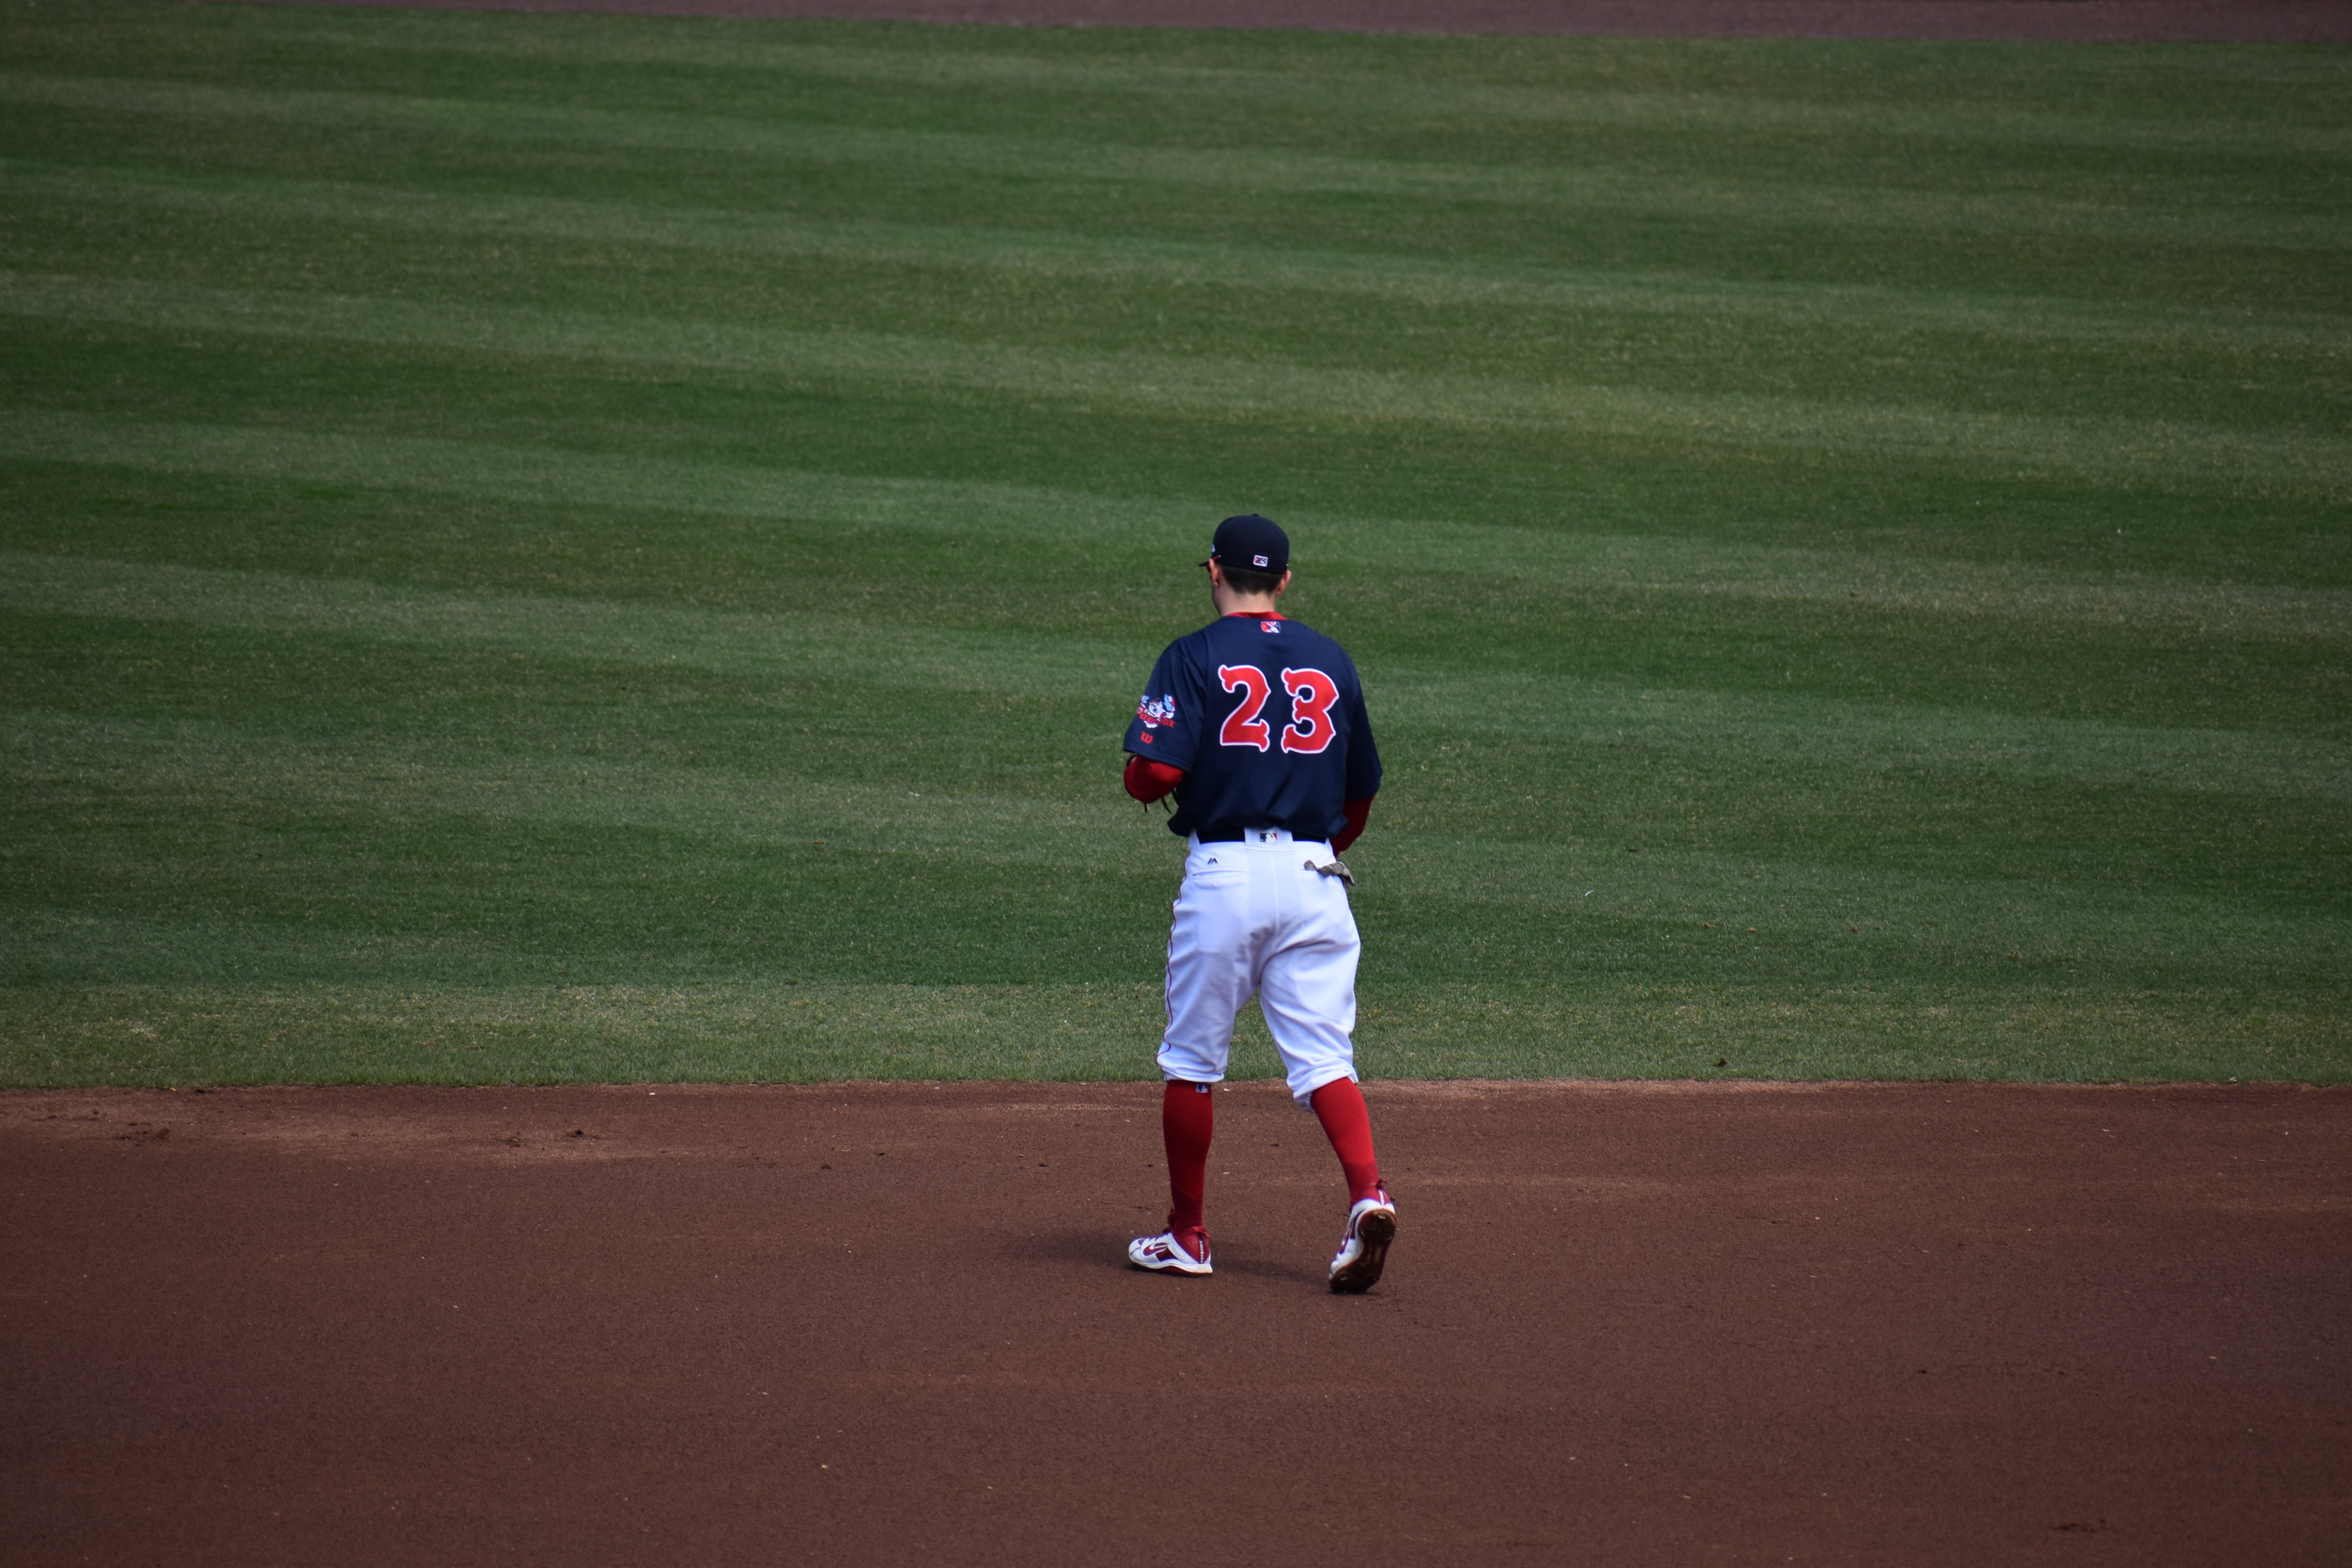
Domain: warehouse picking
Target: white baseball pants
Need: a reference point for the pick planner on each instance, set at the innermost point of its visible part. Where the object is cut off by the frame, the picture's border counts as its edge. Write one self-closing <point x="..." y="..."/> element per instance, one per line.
<point x="1254" y="918"/>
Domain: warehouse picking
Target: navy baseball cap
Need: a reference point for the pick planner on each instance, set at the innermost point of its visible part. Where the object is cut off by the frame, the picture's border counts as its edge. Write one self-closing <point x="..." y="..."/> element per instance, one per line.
<point x="1252" y="544"/>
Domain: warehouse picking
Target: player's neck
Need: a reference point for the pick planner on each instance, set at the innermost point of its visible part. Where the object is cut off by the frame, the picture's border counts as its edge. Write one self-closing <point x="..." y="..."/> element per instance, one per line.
<point x="1259" y="605"/>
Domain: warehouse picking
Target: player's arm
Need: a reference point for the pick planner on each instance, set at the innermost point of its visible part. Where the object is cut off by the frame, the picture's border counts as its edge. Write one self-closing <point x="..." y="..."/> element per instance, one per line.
<point x="1148" y="780"/>
<point x="1164" y="722"/>
<point x="1363" y="767"/>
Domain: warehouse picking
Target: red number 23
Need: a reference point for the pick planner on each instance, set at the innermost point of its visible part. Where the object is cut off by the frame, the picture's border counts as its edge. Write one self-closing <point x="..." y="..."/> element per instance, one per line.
<point x="1312" y="696"/>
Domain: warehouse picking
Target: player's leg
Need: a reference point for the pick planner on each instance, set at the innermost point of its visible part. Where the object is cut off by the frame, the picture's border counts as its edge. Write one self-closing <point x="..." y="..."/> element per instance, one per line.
<point x="1339" y="1107"/>
<point x="1319" y="1061"/>
<point x="1308" y="991"/>
<point x="1209" y="964"/>
<point x="1307" y="982"/>
<point x="1188" y="1121"/>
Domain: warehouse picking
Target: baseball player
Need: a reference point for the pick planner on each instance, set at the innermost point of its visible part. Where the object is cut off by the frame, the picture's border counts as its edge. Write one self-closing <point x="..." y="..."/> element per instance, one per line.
<point x="1257" y="725"/>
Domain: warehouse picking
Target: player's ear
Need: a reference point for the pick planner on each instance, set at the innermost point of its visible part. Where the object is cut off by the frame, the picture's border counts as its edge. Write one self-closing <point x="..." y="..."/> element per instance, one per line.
<point x="1282" y="587"/>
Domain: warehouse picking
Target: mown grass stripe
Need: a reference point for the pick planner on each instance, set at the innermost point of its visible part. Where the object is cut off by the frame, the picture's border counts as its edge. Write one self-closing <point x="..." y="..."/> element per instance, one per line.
<point x="2286" y="464"/>
<point x="1849" y="308"/>
<point x="1310" y="82"/>
<point x="655" y="636"/>
<point x="1147" y="527"/>
<point x="491" y="471"/>
<point x="1589" y="189"/>
<point x="1551" y="884"/>
<point x="772" y="1031"/>
<point x="1857" y="736"/>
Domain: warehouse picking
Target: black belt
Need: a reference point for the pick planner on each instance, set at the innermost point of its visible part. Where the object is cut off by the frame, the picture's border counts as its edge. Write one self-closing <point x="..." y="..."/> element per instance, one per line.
<point x="1227" y="836"/>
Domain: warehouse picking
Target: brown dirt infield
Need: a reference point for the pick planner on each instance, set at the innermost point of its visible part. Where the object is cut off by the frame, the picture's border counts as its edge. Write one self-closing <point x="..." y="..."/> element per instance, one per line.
<point x="2250" y="21"/>
<point x="1624" y="1323"/>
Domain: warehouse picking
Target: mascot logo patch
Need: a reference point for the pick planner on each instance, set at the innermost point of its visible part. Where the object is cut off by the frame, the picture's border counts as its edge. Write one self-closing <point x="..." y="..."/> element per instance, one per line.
<point x="1157" y="710"/>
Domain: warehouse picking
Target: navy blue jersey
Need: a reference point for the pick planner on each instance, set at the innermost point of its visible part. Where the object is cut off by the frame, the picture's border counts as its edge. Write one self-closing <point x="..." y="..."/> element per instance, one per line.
<point x="1266" y="717"/>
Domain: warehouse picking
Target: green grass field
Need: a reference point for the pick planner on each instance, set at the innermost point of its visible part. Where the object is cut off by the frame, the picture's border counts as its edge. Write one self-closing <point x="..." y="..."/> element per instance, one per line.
<point x="544" y="549"/>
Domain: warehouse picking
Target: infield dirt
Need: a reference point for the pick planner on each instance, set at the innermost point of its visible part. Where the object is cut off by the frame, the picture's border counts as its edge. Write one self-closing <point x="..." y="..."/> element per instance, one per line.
<point x="1917" y="1324"/>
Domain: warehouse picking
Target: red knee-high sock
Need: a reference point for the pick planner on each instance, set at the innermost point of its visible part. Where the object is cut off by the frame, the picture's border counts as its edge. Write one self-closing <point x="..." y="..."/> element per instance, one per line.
<point x="1340" y="1106"/>
<point x="1188" y="1118"/>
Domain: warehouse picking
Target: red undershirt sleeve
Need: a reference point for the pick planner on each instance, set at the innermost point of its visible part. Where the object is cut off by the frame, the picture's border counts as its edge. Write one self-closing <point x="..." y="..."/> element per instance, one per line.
<point x="1147" y="781"/>
<point x="1359" y="813"/>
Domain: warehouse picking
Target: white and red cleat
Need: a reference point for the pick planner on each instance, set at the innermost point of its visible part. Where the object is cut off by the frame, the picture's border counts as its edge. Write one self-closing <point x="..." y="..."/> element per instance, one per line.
<point x="1169" y="1254"/>
<point x="1364" y="1249"/>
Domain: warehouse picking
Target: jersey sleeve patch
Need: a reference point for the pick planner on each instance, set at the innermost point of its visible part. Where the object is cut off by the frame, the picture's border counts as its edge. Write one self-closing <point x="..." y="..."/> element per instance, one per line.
<point x="1172" y="705"/>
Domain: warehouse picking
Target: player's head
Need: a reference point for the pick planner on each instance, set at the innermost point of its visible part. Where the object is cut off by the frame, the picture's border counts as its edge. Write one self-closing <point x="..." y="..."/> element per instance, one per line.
<point x="1252" y="553"/>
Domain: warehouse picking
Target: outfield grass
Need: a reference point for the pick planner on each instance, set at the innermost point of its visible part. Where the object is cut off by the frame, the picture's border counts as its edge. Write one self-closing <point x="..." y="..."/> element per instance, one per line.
<point x="553" y="548"/>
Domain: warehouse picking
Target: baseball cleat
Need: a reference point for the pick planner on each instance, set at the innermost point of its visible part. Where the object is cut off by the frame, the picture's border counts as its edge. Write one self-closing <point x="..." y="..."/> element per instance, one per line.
<point x="1165" y="1254"/>
<point x="1364" y="1249"/>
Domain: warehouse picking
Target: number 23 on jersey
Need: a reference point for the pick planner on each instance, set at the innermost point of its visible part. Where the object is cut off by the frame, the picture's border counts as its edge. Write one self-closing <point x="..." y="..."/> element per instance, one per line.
<point x="1312" y="693"/>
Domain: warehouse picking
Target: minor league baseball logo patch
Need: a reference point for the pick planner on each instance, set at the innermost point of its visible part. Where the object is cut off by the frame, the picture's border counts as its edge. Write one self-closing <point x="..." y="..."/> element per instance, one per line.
<point x="1257" y="559"/>
<point x="1270" y="628"/>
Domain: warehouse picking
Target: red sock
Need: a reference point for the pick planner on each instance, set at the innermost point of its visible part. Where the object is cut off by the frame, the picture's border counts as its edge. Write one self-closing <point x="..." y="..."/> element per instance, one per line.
<point x="1188" y="1118"/>
<point x="1340" y="1106"/>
